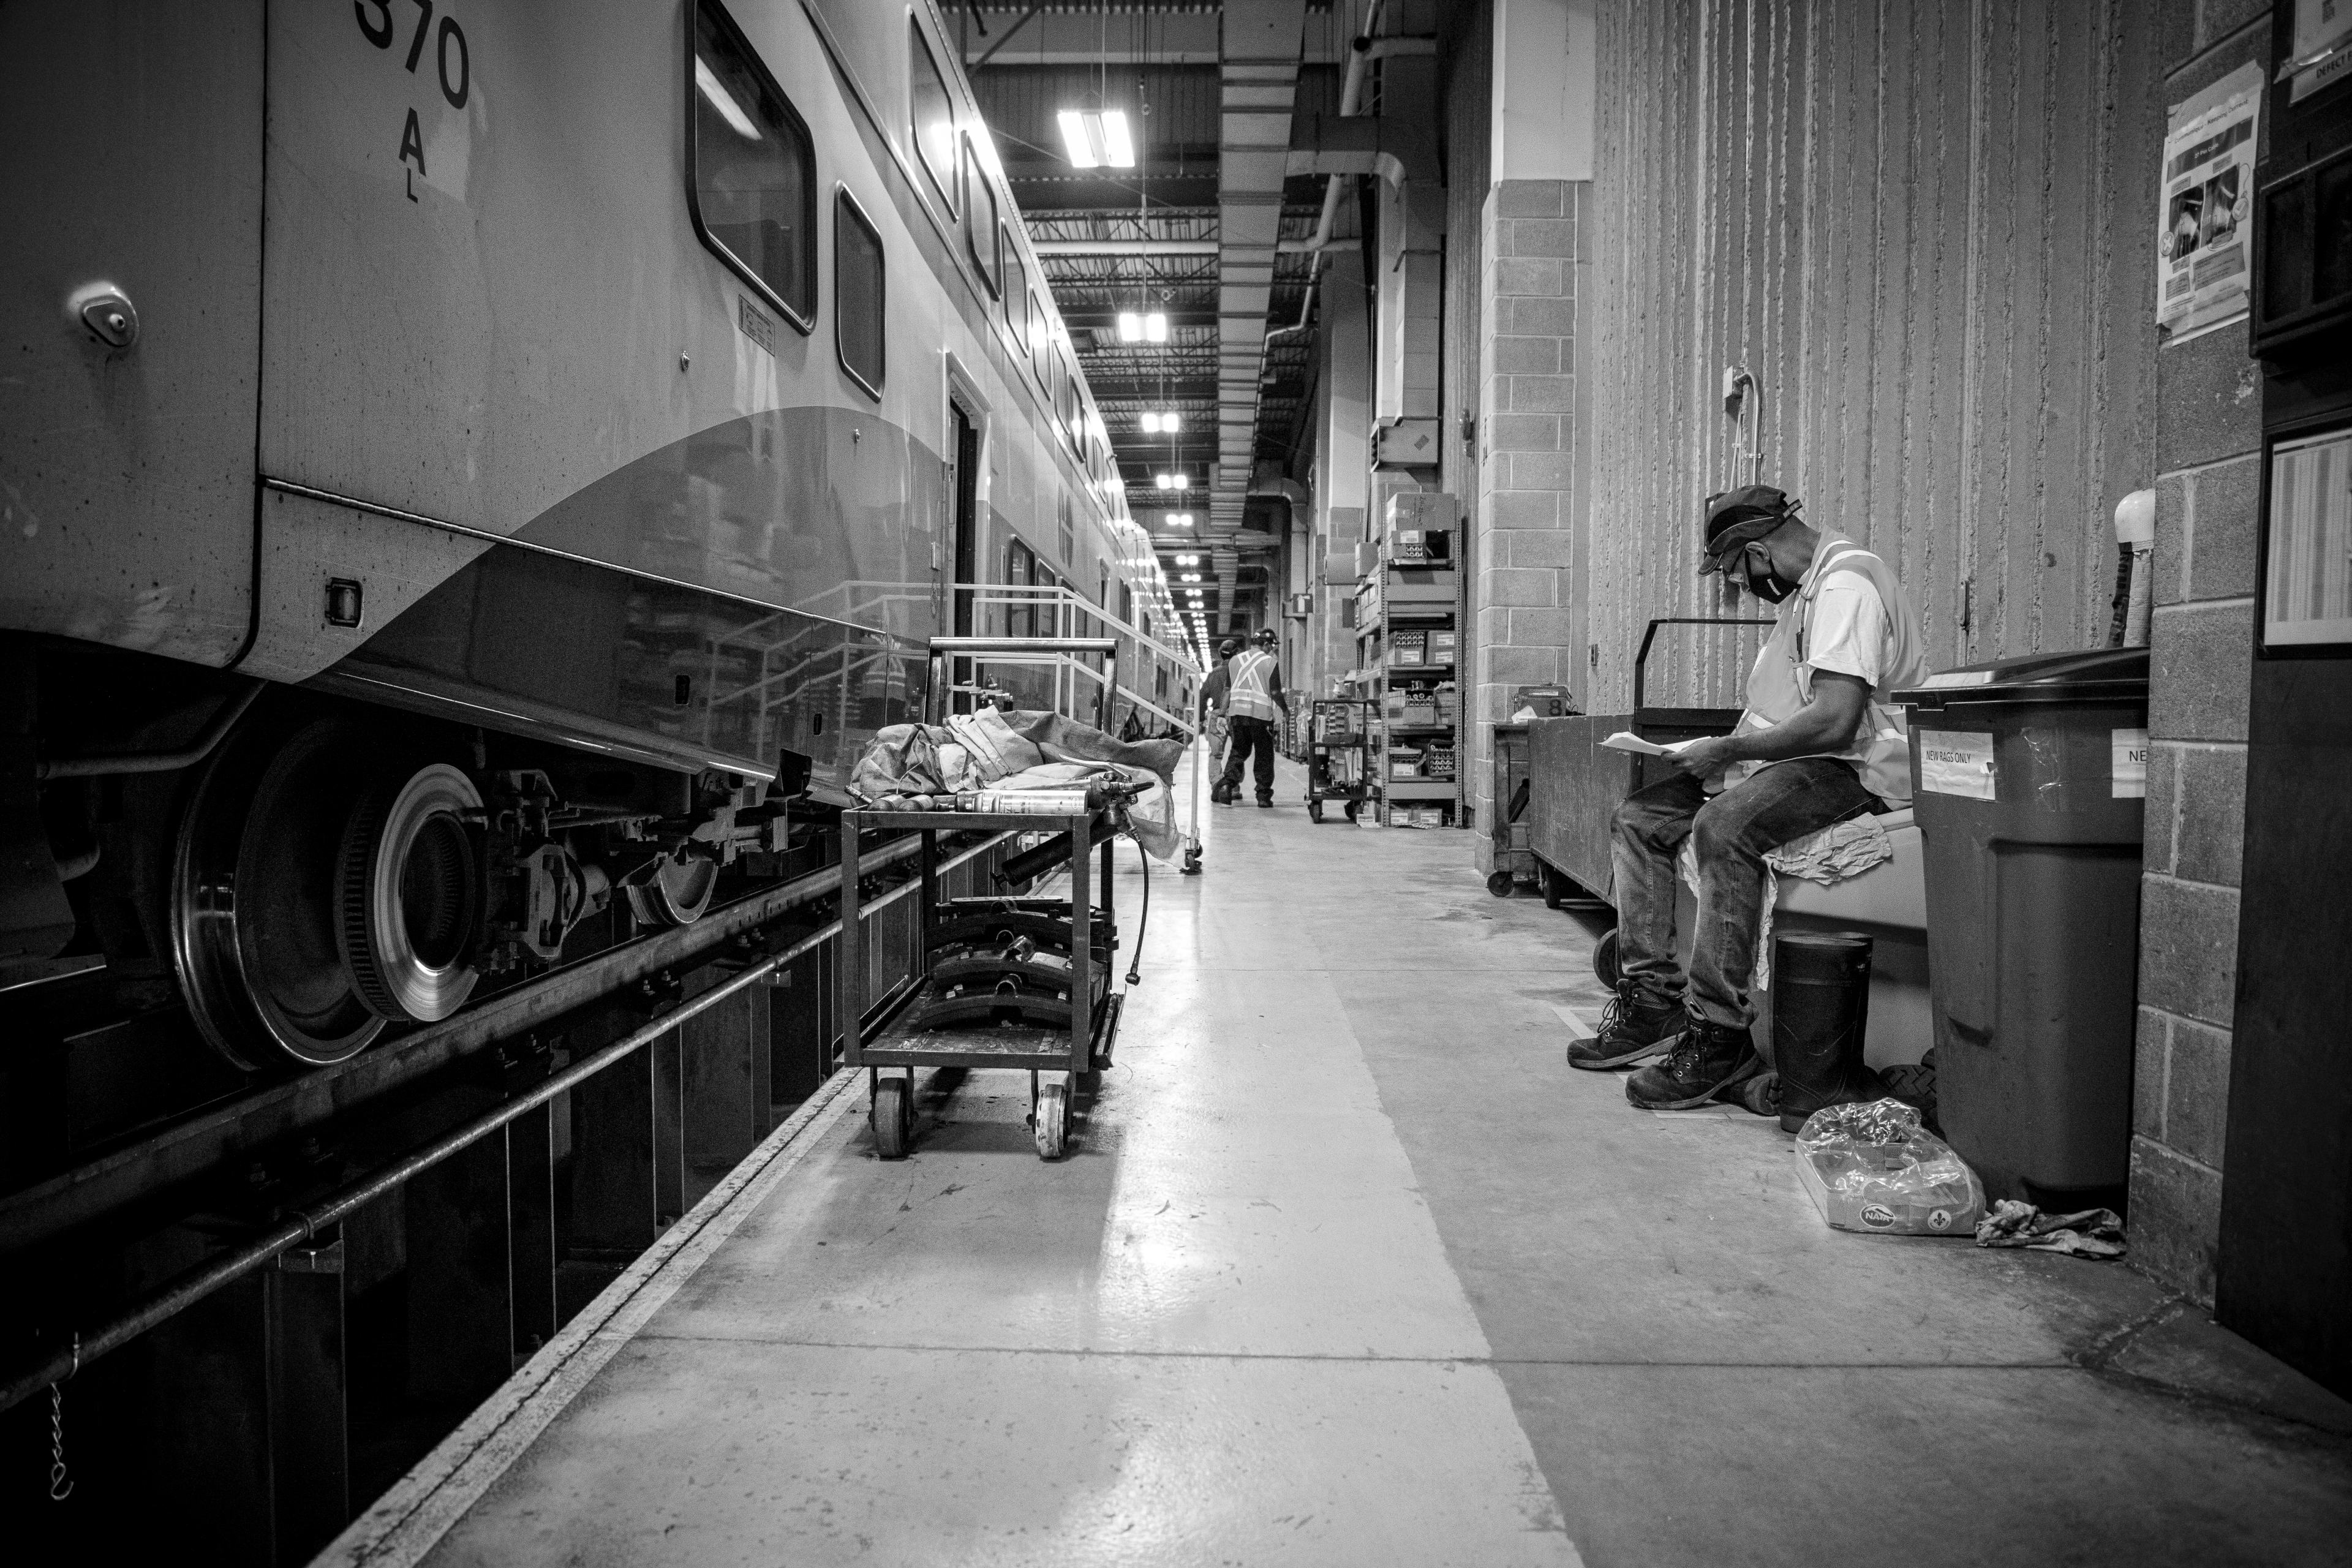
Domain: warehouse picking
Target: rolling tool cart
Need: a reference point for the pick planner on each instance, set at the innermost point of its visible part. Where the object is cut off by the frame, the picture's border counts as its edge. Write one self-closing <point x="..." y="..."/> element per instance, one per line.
<point x="1015" y="983"/>
<point x="1339" y="754"/>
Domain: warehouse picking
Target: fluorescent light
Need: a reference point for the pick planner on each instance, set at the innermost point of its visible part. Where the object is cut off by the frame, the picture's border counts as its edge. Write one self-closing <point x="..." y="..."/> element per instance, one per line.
<point x="1118" y="149"/>
<point x="1160" y="424"/>
<point x="1151" y="424"/>
<point x="1187" y="561"/>
<point x="1095" y="137"/>
<point x="1163" y="481"/>
<point x="724" y="103"/>
<point x="1179" y="519"/>
<point x="1168" y="423"/>
<point x="1182" y="481"/>
<point x="1189" y="577"/>
<point x="1075" y="141"/>
<point x="1130" y="327"/>
<point x="1155" y="327"/>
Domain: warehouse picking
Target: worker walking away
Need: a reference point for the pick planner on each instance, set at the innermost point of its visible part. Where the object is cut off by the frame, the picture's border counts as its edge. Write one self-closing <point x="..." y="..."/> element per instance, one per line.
<point x="1819" y="742"/>
<point x="1254" y="699"/>
<point x="1218" y="681"/>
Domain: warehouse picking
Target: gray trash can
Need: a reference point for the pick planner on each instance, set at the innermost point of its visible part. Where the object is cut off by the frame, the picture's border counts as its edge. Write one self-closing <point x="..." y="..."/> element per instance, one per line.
<point x="2029" y="776"/>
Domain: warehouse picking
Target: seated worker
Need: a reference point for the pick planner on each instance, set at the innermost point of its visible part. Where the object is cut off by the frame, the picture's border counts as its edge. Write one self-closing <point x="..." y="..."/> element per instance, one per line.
<point x="1817" y="744"/>
<point x="1254" y="696"/>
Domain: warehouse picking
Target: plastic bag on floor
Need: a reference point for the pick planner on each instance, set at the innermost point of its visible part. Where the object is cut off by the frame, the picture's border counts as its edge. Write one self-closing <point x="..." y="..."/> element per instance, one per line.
<point x="1874" y="1168"/>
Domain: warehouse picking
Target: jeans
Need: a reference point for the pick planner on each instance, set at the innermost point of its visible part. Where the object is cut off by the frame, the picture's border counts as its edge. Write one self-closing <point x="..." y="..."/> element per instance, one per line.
<point x="1250" y="735"/>
<point x="1730" y="833"/>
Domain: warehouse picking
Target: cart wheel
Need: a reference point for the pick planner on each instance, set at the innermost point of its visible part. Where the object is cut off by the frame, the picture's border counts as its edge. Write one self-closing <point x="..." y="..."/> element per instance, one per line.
<point x="1192" y="861"/>
<point x="1353" y="807"/>
<point x="1604" y="959"/>
<point x="1314" y="811"/>
<point x="1555" y="886"/>
<point x="1500" y="884"/>
<point x="1051" y="1120"/>
<point x="893" y="1118"/>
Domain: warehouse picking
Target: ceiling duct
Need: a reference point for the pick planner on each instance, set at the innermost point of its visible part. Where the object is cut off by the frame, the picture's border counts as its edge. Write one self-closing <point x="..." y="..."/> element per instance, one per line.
<point x="1257" y="65"/>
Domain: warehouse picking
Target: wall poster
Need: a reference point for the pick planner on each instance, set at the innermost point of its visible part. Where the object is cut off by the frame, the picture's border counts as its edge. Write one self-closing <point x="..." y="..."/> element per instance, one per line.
<point x="2204" y="242"/>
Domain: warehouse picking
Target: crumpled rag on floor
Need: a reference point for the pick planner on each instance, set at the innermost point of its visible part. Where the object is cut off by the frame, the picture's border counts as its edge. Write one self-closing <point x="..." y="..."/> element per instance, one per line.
<point x="2092" y="1233"/>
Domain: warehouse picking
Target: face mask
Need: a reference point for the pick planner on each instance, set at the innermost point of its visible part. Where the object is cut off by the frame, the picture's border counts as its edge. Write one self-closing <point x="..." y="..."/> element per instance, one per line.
<point x="1771" y="587"/>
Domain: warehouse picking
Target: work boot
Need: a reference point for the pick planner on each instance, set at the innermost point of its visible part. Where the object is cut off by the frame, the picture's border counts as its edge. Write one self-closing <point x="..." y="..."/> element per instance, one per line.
<point x="1634" y="1027"/>
<point x="1267" y="801"/>
<point x="1817" y="1073"/>
<point x="1702" y="1062"/>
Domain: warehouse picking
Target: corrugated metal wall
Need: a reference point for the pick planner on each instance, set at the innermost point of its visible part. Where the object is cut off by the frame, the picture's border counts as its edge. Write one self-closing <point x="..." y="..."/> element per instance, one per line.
<point x="1927" y="229"/>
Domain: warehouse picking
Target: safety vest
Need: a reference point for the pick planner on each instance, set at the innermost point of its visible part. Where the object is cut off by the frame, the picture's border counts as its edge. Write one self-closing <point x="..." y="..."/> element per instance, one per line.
<point x="1779" y="685"/>
<point x="1248" y="698"/>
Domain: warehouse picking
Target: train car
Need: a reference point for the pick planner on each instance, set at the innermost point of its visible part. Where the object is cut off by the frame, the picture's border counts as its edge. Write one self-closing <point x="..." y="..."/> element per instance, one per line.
<point x="464" y="466"/>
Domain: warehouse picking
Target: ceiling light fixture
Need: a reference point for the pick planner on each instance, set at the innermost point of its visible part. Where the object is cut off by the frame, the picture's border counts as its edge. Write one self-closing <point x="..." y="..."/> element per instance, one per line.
<point x="1096" y="138"/>
<point x="1159" y="424"/>
<point x="1177" y="481"/>
<point x="1189" y="577"/>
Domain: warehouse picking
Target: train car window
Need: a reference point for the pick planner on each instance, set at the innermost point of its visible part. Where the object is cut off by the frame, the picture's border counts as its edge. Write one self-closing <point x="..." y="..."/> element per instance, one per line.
<point x="933" y="114"/>
<point x="1075" y="417"/>
<point x="1020" y="569"/>
<point x="1016" y="293"/>
<point x="751" y="181"/>
<point x="1069" y="532"/>
<point x="858" y="297"/>
<point x="984" y="234"/>
<point x="1037" y="341"/>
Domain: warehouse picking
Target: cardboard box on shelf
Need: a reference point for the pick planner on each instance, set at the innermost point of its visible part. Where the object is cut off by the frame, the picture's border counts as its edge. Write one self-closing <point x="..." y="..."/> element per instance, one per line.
<point x="1404" y="764"/>
<point x="1437" y="762"/>
<point x="1441" y="645"/>
<point x="1407" y="646"/>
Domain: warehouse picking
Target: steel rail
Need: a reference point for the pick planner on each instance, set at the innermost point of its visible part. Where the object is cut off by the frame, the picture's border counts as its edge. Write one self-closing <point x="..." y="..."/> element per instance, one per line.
<point x="188" y="1148"/>
<point x="201" y="1281"/>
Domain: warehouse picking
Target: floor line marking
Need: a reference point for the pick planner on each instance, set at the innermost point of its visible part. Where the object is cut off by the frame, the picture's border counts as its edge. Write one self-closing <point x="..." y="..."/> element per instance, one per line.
<point x="2062" y="1363"/>
<point x="408" y="1520"/>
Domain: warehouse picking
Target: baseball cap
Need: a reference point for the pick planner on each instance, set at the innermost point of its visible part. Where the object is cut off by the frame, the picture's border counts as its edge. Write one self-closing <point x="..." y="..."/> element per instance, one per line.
<point x="1740" y="516"/>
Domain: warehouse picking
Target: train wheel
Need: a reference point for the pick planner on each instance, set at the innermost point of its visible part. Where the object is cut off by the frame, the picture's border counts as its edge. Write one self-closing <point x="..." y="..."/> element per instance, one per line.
<point x="255" y="932"/>
<point x="408" y="895"/>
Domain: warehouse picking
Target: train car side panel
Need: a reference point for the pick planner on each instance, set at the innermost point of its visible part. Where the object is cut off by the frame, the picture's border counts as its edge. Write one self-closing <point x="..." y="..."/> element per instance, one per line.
<point x="133" y="137"/>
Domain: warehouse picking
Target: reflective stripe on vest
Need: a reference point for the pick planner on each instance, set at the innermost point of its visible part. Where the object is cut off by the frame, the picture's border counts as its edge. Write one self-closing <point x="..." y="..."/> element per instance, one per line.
<point x="1248" y="698"/>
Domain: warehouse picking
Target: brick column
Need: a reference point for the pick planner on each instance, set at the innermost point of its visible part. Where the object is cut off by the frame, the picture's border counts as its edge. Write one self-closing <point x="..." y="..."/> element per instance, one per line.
<point x="2201" y="652"/>
<point x="1525" y="603"/>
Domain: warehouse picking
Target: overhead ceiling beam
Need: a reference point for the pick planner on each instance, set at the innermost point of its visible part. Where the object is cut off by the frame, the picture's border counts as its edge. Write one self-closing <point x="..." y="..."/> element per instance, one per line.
<point x="1258" y="57"/>
<point x="1152" y="246"/>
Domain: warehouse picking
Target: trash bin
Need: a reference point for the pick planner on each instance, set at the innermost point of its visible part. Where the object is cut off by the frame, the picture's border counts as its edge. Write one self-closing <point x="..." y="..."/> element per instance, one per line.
<point x="2029" y="776"/>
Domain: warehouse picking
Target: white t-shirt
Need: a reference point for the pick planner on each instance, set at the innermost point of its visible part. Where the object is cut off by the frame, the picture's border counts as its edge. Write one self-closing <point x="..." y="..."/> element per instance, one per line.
<point x="1846" y="634"/>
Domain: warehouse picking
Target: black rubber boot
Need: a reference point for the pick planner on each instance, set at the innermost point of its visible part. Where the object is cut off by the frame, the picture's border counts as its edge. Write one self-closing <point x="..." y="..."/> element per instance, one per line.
<point x="1820" y="1020"/>
<point x="1633" y="1029"/>
<point x="1706" y="1060"/>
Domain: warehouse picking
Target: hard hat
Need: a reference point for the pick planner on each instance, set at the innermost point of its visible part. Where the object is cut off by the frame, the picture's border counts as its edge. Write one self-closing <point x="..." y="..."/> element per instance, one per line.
<point x="1264" y="637"/>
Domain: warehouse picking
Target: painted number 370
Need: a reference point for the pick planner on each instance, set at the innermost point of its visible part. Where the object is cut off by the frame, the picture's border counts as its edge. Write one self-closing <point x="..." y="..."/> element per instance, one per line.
<point x="457" y="66"/>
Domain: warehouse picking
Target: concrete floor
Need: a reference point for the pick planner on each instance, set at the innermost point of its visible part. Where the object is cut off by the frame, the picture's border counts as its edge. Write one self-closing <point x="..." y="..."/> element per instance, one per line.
<point x="1348" y="1269"/>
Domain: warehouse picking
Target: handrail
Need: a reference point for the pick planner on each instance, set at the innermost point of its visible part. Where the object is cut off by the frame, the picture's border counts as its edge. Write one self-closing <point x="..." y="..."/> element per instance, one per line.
<point x="1641" y="658"/>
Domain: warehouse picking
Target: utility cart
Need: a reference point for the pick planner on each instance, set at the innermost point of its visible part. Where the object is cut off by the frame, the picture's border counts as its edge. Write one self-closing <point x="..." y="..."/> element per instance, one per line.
<point x="1015" y="983"/>
<point x="1339" y="754"/>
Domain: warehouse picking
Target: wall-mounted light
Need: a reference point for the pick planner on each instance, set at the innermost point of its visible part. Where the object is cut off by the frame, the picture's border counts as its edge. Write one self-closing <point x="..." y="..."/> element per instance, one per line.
<point x="1096" y="137"/>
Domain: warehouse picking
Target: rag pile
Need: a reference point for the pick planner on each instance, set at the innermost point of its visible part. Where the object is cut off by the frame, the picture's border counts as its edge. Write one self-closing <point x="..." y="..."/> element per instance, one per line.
<point x="1842" y="849"/>
<point x="1019" y="751"/>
